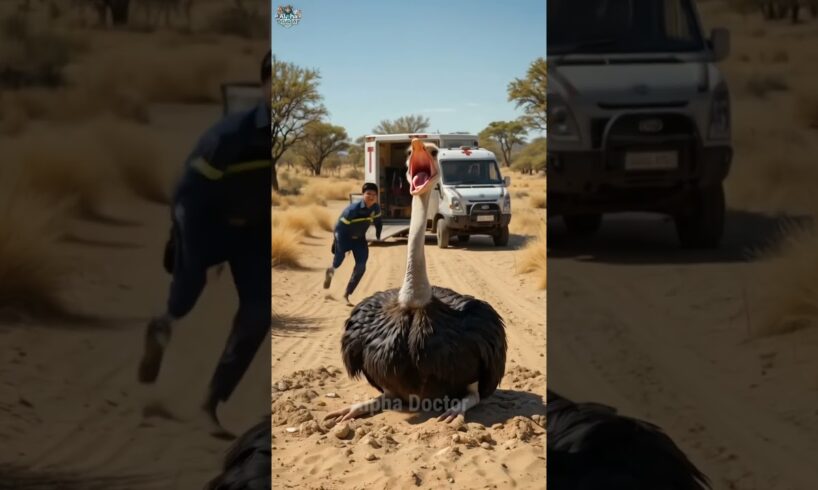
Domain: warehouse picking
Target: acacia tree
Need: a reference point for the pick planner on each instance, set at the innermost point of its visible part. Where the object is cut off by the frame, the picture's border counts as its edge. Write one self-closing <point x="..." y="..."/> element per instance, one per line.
<point x="529" y="93"/>
<point x="296" y="104"/>
<point x="532" y="157"/>
<point x="504" y="134"/>
<point x="321" y="140"/>
<point x="405" y="124"/>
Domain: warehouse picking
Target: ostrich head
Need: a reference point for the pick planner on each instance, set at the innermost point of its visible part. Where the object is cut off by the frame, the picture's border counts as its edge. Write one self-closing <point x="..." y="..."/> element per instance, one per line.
<point x="423" y="170"/>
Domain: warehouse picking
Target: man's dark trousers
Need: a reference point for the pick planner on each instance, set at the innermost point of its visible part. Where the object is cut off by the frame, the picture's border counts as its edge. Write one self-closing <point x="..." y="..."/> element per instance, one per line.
<point x="247" y="250"/>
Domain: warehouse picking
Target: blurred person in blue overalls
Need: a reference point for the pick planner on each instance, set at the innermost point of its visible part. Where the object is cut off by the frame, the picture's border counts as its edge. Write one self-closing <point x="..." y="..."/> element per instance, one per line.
<point x="350" y="236"/>
<point x="221" y="214"/>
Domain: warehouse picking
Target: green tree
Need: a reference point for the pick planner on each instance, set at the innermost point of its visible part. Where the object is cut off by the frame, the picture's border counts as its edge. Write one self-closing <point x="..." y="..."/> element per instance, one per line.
<point x="529" y="93"/>
<point x="321" y="141"/>
<point x="532" y="157"/>
<point x="505" y="135"/>
<point x="295" y="104"/>
<point x="403" y="124"/>
<point x="355" y="156"/>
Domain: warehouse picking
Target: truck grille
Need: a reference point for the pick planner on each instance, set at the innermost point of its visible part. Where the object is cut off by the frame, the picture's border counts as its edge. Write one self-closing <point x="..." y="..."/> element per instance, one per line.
<point x="677" y="132"/>
<point x="482" y="208"/>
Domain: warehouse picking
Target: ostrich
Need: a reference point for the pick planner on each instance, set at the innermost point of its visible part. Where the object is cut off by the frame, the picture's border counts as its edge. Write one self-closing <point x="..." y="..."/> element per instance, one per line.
<point x="422" y="343"/>
<point x="591" y="447"/>
<point x="247" y="463"/>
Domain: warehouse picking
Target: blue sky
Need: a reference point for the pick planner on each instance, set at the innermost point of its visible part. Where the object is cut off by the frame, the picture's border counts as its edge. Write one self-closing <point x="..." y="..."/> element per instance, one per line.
<point x="450" y="60"/>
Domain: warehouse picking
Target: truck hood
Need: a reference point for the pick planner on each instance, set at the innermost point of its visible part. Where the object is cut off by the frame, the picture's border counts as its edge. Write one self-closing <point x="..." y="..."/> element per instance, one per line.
<point x="493" y="193"/>
<point x="635" y="83"/>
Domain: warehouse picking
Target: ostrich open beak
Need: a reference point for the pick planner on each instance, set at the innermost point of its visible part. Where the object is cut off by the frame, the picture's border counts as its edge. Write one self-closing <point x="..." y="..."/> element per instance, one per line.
<point x="422" y="168"/>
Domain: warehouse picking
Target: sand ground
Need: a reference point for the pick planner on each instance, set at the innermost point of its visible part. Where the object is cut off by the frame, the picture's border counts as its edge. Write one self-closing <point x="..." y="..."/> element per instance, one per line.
<point x="501" y="444"/>
<point x="665" y="335"/>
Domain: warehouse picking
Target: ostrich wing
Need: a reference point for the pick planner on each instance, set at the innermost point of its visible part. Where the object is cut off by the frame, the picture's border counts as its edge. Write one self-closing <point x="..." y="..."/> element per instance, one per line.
<point x="590" y="436"/>
<point x="368" y="333"/>
<point x="469" y="334"/>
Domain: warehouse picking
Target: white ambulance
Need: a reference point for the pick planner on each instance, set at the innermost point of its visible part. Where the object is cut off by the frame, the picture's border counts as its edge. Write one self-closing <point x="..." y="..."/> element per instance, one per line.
<point x="471" y="198"/>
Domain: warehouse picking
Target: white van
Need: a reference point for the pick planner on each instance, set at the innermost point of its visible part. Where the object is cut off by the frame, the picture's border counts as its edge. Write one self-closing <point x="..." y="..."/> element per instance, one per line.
<point x="638" y="115"/>
<point x="472" y="197"/>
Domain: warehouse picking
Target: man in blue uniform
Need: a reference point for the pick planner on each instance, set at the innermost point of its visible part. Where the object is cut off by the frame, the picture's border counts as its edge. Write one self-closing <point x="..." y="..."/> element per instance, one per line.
<point x="350" y="236"/>
<point x="221" y="213"/>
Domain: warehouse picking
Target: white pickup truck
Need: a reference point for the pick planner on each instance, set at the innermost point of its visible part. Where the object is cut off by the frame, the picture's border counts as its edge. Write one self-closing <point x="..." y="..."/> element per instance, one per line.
<point x="472" y="197"/>
<point x="638" y="115"/>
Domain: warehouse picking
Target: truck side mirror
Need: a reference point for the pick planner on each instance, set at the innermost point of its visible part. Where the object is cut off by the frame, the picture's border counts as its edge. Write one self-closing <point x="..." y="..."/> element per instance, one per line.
<point x="720" y="43"/>
<point x="507" y="180"/>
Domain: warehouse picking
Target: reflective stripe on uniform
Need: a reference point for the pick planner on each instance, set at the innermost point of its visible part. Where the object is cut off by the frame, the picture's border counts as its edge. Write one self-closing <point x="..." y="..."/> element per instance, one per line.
<point x="213" y="173"/>
<point x="248" y="166"/>
<point x="359" y="220"/>
<point x="206" y="169"/>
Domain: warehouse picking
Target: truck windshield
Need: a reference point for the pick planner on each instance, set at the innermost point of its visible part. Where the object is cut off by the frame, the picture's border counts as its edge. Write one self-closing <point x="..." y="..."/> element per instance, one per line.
<point x="470" y="172"/>
<point x="622" y="26"/>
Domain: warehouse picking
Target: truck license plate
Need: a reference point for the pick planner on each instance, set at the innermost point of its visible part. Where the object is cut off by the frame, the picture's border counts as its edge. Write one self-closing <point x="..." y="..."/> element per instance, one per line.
<point x="659" y="160"/>
<point x="485" y="217"/>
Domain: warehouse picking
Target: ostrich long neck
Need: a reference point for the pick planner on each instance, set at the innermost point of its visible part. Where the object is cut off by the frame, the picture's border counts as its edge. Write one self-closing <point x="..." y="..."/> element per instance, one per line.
<point x="416" y="291"/>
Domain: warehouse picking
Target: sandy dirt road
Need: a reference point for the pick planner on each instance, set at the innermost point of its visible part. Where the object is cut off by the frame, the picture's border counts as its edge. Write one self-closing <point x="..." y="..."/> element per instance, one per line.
<point x="668" y="336"/>
<point x="401" y="449"/>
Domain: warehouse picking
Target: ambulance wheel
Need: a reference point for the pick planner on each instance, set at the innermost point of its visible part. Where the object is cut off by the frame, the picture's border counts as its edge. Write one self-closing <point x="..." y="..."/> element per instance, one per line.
<point x="501" y="237"/>
<point x="442" y="234"/>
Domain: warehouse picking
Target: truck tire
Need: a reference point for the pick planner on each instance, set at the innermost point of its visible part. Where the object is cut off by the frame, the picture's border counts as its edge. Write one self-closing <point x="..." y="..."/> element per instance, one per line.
<point x="582" y="225"/>
<point x="702" y="226"/>
<point x="442" y="234"/>
<point x="463" y="238"/>
<point x="501" y="237"/>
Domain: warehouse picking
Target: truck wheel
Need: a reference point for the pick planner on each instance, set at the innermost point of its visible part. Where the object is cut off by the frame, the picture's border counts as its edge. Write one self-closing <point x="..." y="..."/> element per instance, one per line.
<point x="501" y="237"/>
<point x="702" y="225"/>
<point x="442" y="234"/>
<point x="583" y="225"/>
<point x="463" y="238"/>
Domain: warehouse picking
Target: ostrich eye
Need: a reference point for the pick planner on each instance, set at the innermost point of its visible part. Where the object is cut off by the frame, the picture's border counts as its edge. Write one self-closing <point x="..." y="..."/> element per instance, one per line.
<point x="434" y="153"/>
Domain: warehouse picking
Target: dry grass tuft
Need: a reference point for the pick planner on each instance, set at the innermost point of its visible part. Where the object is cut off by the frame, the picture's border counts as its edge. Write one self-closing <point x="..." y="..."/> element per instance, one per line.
<point x="532" y="259"/>
<point x="66" y="164"/>
<point x="31" y="271"/>
<point x="286" y="247"/>
<point x="761" y="85"/>
<point x="141" y="164"/>
<point x="307" y="220"/>
<point x="88" y="162"/>
<point x="354" y="174"/>
<point x="790" y="275"/>
<point x="537" y="201"/>
<point x="527" y="222"/>
<point x="772" y="173"/>
<point x="289" y="183"/>
<point x="331" y="190"/>
<point x="322" y="217"/>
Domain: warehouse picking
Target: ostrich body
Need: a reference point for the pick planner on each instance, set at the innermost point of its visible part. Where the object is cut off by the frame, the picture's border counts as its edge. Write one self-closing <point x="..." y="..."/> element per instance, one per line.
<point x="247" y="463"/>
<point x="591" y="447"/>
<point x="423" y="345"/>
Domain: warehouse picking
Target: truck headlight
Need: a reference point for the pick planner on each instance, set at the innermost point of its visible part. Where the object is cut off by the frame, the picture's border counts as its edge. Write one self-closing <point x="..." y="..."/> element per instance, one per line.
<point x="456" y="205"/>
<point x="561" y="122"/>
<point x="720" y="113"/>
<point x="507" y="203"/>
